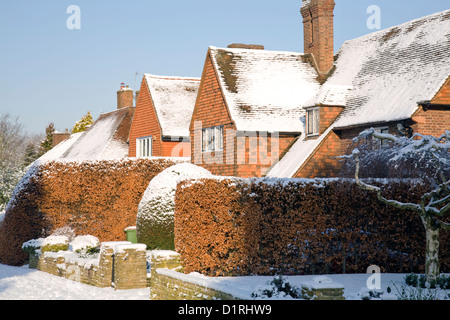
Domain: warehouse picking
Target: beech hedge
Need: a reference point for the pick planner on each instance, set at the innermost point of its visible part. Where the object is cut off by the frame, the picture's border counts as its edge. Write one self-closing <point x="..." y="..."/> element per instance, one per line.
<point x="98" y="198"/>
<point x="235" y="227"/>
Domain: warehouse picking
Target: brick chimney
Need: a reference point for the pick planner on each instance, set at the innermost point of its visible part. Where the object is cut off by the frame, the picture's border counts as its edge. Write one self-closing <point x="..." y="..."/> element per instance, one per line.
<point x="124" y="97"/>
<point x="318" y="28"/>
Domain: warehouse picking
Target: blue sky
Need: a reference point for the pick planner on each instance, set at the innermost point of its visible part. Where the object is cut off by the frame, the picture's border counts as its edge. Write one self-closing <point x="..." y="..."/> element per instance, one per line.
<point x="49" y="73"/>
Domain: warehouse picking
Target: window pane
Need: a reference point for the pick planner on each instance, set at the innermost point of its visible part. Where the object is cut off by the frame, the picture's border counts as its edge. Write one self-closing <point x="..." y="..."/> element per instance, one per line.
<point x="220" y="138"/>
<point x="309" y="122"/>
<point x="316" y="121"/>
<point x="204" y="140"/>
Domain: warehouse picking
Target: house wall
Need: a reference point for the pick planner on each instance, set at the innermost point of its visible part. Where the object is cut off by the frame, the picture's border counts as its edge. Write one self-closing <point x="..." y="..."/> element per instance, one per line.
<point x="327" y="116"/>
<point x="322" y="163"/>
<point x="443" y="96"/>
<point x="245" y="154"/>
<point x="433" y="121"/>
<point x="145" y="123"/>
<point x="210" y="110"/>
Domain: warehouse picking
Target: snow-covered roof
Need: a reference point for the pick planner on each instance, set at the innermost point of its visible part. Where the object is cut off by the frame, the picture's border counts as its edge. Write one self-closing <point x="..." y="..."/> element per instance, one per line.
<point x="57" y="151"/>
<point x="174" y="100"/>
<point x="106" y="139"/>
<point x="390" y="71"/>
<point x="380" y="77"/>
<point x="265" y="90"/>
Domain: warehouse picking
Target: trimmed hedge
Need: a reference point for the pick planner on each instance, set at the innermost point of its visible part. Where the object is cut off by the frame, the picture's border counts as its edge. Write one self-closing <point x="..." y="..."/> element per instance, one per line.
<point x="236" y="227"/>
<point x="98" y="198"/>
<point x="154" y="222"/>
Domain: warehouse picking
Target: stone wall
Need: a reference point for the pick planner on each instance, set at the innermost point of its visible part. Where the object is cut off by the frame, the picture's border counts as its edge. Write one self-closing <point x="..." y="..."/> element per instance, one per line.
<point x="120" y="264"/>
<point x="165" y="286"/>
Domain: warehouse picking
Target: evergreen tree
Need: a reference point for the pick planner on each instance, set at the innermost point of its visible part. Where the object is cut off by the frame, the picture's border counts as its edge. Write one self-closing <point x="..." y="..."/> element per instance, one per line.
<point x="30" y="154"/>
<point x="47" y="143"/>
<point x="82" y="125"/>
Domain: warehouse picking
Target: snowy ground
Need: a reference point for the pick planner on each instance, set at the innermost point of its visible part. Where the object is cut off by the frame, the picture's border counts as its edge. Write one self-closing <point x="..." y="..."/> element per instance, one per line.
<point x="22" y="283"/>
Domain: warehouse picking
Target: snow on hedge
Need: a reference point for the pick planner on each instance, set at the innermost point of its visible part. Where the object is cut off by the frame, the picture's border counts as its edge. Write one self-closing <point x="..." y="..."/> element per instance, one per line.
<point x="154" y="222"/>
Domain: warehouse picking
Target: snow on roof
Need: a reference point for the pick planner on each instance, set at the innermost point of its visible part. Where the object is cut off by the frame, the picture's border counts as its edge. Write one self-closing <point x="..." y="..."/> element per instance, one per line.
<point x="57" y="151"/>
<point x="265" y="90"/>
<point x="296" y="156"/>
<point x="378" y="78"/>
<point x="390" y="71"/>
<point x="174" y="100"/>
<point x="100" y="142"/>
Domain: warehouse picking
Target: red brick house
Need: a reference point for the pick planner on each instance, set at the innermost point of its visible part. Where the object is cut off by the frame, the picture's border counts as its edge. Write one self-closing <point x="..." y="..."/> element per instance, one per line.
<point x="161" y="122"/>
<point x="388" y="80"/>
<point x="249" y="108"/>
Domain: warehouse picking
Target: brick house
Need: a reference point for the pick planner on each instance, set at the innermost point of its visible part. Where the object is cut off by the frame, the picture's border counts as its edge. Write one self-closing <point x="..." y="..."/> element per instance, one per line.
<point x="163" y="111"/>
<point x="390" y="80"/>
<point x="249" y="108"/>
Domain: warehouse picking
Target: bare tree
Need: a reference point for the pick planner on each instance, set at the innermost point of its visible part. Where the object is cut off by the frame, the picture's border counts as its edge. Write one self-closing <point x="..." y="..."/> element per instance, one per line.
<point x="430" y="158"/>
<point x="11" y="137"/>
<point x="13" y="146"/>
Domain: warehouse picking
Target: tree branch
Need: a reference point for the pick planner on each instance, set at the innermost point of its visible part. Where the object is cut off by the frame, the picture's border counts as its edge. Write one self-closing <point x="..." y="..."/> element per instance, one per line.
<point x="392" y="203"/>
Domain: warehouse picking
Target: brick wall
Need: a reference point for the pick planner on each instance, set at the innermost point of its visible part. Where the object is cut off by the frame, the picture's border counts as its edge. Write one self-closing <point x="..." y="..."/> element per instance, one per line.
<point x="145" y="123"/>
<point x="434" y="121"/>
<point x="443" y="96"/>
<point x="245" y="154"/>
<point x="327" y="116"/>
<point x="120" y="264"/>
<point x="322" y="163"/>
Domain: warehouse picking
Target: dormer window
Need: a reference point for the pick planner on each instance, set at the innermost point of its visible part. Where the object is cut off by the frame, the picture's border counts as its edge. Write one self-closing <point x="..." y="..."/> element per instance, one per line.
<point x="312" y="121"/>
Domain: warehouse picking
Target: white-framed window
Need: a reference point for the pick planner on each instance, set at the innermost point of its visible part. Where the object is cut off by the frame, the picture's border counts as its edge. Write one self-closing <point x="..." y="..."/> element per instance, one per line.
<point x="144" y="147"/>
<point x="312" y="121"/>
<point x="212" y="139"/>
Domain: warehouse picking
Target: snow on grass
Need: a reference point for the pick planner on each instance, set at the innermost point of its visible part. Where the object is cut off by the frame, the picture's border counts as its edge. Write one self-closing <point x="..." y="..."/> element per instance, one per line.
<point x="29" y="284"/>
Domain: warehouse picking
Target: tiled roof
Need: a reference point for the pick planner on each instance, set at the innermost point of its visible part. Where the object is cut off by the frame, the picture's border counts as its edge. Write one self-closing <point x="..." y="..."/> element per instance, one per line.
<point x="380" y="78"/>
<point x="265" y="90"/>
<point x="390" y="71"/>
<point x="174" y="101"/>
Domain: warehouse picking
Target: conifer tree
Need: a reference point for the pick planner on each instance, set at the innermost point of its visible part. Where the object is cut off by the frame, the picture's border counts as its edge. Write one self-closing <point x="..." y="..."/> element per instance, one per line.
<point x="82" y="125"/>
<point x="47" y="143"/>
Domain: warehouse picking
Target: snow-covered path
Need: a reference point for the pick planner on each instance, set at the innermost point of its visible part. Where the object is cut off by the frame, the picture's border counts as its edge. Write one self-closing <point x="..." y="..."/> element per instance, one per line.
<point x="22" y="283"/>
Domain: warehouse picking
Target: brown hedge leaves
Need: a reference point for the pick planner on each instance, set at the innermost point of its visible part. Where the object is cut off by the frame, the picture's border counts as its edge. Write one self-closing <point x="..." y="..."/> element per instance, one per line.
<point x="248" y="227"/>
<point x="94" y="198"/>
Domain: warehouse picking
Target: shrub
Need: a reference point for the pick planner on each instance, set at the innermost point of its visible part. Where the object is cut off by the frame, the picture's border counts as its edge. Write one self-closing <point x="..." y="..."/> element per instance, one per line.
<point x="154" y="223"/>
<point x="99" y="198"/>
<point x="85" y="245"/>
<point x="279" y="288"/>
<point x="55" y="244"/>
<point x="32" y="246"/>
<point x="230" y="226"/>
